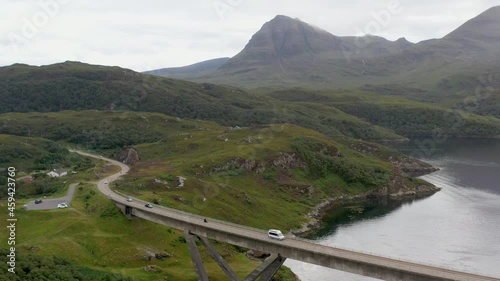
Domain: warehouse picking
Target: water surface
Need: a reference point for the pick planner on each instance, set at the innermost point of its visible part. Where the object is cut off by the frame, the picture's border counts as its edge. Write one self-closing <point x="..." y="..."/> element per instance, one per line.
<point x="458" y="227"/>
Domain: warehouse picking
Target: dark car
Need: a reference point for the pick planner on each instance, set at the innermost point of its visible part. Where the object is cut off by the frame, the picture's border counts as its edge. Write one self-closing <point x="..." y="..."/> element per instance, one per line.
<point x="149" y="205"/>
<point x="38" y="201"/>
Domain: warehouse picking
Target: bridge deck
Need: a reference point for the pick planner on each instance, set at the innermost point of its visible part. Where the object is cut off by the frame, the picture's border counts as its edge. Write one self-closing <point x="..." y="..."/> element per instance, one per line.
<point x="298" y="249"/>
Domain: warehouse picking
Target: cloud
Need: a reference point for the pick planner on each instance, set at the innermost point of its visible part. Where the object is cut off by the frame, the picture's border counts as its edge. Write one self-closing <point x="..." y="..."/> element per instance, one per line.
<point x="154" y="34"/>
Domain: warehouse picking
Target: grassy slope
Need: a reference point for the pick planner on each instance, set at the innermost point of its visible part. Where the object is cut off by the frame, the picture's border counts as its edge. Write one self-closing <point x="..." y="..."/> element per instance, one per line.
<point x="237" y="194"/>
<point x="406" y="117"/>
<point x="76" y="86"/>
<point x="105" y="129"/>
<point x="21" y="152"/>
<point x="276" y="198"/>
<point x="28" y="154"/>
<point x="93" y="233"/>
<point x="178" y="147"/>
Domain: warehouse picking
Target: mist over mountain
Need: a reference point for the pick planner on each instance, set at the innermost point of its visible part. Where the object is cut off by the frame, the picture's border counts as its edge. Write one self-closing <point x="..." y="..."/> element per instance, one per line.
<point x="484" y="27"/>
<point x="288" y="52"/>
<point x="193" y="69"/>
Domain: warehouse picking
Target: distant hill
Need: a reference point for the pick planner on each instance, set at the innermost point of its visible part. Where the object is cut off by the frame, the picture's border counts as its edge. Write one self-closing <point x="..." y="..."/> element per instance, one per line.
<point x="194" y="69"/>
<point x="79" y="86"/>
<point x="287" y="52"/>
<point x="355" y="114"/>
<point x="484" y="27"/>
<point x="30" y="153"/>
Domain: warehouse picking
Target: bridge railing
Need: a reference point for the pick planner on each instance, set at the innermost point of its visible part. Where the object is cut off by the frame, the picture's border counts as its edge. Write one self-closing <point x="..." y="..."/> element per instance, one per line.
<point x="200" y="218"/>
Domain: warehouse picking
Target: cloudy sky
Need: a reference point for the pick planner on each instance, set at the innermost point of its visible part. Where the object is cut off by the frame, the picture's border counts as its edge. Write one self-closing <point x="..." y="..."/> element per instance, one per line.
<point x="151" y="34"/>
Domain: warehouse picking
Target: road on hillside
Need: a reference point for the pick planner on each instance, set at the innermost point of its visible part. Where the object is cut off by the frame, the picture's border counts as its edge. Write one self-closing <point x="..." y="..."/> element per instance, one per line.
<point x="49" y="204"/>
<point x="103" y="184"/>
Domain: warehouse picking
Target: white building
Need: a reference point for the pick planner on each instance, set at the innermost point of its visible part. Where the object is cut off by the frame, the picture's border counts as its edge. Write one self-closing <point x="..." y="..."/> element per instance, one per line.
<point x="57" y="173"/>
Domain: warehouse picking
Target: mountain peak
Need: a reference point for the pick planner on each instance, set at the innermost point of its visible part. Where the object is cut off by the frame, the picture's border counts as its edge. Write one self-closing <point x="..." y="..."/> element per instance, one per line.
<point x="485" y="27"/>
<point x="284" y="21"/>
<point x="284" y="37"/>
<point x="283" y="18"/>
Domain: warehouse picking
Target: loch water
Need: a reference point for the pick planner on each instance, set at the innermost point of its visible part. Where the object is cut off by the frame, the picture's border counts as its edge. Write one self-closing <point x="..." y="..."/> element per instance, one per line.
<point x="458" y="227"/>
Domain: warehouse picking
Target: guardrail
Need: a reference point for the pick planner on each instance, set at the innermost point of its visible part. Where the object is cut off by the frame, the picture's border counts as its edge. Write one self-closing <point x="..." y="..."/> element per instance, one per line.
<point x="249" y="228"/>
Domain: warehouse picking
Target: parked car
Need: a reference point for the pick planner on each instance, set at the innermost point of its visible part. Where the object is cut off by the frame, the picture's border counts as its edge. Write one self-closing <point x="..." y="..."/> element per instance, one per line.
<point x="275" y="234"/>
<point x="38" y="201"/>
<point x="148" y="205"/>
<point x="62" y="205"/>
<point x="129" y="199"/>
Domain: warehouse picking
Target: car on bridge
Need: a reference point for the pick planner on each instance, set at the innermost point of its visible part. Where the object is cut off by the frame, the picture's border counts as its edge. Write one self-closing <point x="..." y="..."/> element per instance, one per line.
<point x="148" y="205"/>
<point x="275" y="234"/>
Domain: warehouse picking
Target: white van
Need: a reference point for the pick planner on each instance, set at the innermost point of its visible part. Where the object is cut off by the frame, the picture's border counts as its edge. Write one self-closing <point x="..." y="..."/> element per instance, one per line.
<point x="275" y="234"/>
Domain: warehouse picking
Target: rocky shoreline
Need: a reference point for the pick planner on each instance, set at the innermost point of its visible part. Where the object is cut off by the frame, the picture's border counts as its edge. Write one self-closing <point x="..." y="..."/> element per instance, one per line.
<point x="317" y="214"/>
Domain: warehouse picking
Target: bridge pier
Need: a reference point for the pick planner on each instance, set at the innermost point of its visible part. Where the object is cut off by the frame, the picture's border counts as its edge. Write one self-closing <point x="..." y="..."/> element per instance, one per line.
<point x="219" y="259"/>
<point x="126" y="210"/>
<point x="195" y="256"/>
<point x="265" y="271"/>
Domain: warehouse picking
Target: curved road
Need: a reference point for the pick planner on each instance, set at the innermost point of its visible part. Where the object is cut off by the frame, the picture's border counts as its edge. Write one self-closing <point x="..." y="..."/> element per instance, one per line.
<point x="101" y="185"/>
<point x="291" y="243"/>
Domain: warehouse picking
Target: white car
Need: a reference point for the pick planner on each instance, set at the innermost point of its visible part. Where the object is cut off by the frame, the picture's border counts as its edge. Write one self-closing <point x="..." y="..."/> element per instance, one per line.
<point x="275" y="234"/>
<point x="129" y="199"/>
<point x="62" y="206"/>
<point x="106" y="182"/>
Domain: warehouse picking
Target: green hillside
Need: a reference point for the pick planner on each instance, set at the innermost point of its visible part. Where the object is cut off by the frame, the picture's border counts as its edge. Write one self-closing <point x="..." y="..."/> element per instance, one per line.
<point x="356" y="114"/>
<point x="77" y="86"/>
<point x="406" y="117"/>
<point x="261" y="171"/>
<point x="29" y="154"/>
<point x="247" y="175"/>
<point x="99" y="241"/>
<point x="211" y="155"/>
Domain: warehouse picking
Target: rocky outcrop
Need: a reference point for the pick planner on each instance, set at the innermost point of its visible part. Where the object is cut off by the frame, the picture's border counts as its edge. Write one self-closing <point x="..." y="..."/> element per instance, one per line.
<point x="151" y="254"/>
<point x="284" y="160"/>
<point x="396" y="188"/>
<point x="152" y="268"/>
<point x="411" y="167"/>
<point x="257" y="255"/>
<point x="32" y="249"/>
<point x="163" y="255"/>
<point x="179" y="182"/>
<point x="407" y="166"/>
<point x="287" y="160"/>
<point x="239" y="163"/>
<point x="127" y="156"/>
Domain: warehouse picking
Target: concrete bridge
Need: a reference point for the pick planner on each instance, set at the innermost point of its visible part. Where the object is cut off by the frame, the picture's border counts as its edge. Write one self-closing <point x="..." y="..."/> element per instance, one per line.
<point x="292" y="248"/>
